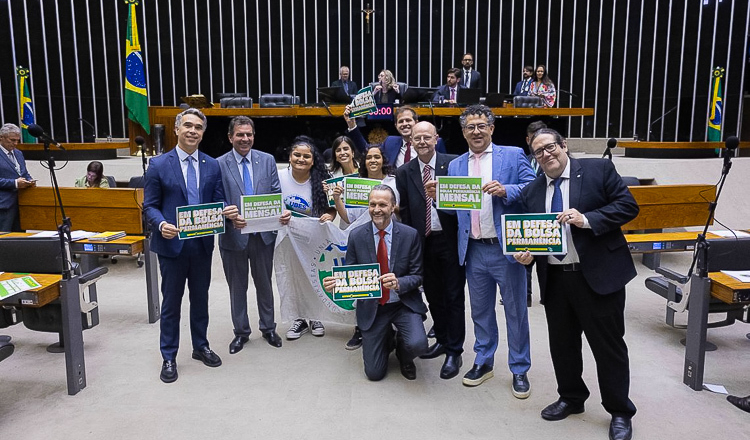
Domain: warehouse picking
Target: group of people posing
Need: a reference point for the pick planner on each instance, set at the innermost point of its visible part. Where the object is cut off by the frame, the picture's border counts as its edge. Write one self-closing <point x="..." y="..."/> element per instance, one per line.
<point x="419" y="249"/>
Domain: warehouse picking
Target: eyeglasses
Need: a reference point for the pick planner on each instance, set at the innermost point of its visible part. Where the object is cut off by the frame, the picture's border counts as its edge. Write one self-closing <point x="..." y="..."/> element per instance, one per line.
<point x="420" y="139"/>
<point x="472" y="127"/>
<point x="549" y="148"/>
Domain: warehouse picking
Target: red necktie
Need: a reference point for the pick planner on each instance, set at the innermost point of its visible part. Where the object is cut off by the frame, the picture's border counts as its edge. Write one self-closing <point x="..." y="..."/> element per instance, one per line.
<point x="426" y="177"/>
<point x="407" y="154"/>
<point x="383" y="261"/>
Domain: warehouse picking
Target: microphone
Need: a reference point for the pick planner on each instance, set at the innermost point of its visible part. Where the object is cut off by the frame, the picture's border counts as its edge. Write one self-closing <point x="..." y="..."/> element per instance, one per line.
<point x="611" y="143"/>
<point x="38" y="132"/>
<point x="139" y="140"/>
<point x="731" y="145"/>
<point x="569" y="93"/>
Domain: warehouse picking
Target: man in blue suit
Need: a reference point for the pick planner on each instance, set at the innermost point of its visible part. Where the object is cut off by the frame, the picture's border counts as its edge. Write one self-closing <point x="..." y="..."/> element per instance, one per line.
<point x="398" y="149"/>
<point x="400" y="248"/>
<point x="522" y="87"/>
<point x="183" y="176"/>
<point x="504" y="172"/>
<point x="245" y="171"/>
<point x="449" y="91"/>
<point x="13" y="176"/>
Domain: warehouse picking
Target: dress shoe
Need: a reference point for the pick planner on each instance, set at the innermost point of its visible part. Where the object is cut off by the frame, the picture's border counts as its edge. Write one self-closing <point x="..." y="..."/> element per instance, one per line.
<point x="168" y="372"/>
<point x="560" y="410"/>
<point x="408" y="370"/>
<point x="520" y="387"/>
<point x="434" y="351"/>
<point x="431" y="333"/>
<point x="451" y="366"/>
<point x="477" y="375"/>
<point x="207" y="356"/>
<point x="742" y="403"/>
<point x="620" y="428"/>
<point x="272" y="338"/>
<point x="237" y="344"/>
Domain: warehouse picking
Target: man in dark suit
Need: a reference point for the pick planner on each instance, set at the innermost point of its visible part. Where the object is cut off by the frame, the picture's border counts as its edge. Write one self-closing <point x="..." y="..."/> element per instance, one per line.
<point x="344" y="81"/>
<point x="449" y="91"/>
<point x="183" y="176"/>
<point x="504" y="172"/>
<point x="398" y="249"/>
<point x="444" y="278"/>
<point x="13" y="176"/>
<point x="398" y="149"/>
<point x="584" y="292"/>
<point x="469" y="77"/>
<point x="522" y="87"/>
<point x="245" y="171"/>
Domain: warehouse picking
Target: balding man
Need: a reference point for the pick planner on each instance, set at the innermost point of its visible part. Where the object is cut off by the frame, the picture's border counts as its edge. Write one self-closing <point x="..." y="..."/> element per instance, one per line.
<point x="345" y="82"/>
<point x="444" y="278"/>
<point x="13" y="176"/>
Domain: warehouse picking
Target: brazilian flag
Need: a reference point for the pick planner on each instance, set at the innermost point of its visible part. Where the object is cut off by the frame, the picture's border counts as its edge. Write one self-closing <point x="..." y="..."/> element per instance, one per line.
<point x="717" y="106"/>
<point x="27" y="107"/>
<point x="136" y="98"/>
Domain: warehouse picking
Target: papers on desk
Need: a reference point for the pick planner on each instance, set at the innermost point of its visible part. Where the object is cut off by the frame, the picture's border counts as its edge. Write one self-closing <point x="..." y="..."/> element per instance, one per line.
<point x="739" y="275"/>
<point x="730" y="234"/>
<point x="715" y="388"/>
<point x="13" y="286"/>
<point x="74" y="235"/>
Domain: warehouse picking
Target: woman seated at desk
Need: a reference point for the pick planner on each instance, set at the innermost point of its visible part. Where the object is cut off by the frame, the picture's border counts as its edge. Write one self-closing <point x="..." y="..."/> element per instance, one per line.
<point x="387" y="90"/>
<point x="94" y="177"/>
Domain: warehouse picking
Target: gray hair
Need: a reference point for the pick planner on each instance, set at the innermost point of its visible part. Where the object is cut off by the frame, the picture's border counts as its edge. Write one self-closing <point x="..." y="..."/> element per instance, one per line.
<point x="190" y="111"/>
<point x="477" y="110"/>
<point x="382" y="187"/>
<point x="7" y="129"/>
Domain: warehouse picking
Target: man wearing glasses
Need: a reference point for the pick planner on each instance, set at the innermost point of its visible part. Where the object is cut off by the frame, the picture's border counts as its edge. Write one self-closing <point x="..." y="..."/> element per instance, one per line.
<point x="584" y="290"/>
<point x="504" y="172"/>
<point x="470" y="78"/>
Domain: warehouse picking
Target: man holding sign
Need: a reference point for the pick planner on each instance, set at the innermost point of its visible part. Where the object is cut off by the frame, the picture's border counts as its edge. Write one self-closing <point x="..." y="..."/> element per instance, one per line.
<point x="504" y="172"/>
<point x="248" y="172"/>
<point x="584" y="290"/>
<point x="182" y="177"/>
<point x="398" y="250"/>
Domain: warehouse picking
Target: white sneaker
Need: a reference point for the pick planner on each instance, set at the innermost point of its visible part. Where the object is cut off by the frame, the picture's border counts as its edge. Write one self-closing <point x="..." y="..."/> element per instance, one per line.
<point x="317" y="328"/>
<point x="299" y="327"/>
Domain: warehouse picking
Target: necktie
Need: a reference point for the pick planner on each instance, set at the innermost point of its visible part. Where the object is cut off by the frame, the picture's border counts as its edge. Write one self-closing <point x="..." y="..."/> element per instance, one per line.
<point x="246" y="179"/>
<point x="453" y="94"/>
<point x="468" y="78"/>
<point x="13" y="160"/>
<point x="476" y="167"/>
<point x="383" y="261"/>
<point x="557" y="200"/>
<point x="407" y="153"/>
<point x="426" y="177"/>
<point x="192" y="183"/>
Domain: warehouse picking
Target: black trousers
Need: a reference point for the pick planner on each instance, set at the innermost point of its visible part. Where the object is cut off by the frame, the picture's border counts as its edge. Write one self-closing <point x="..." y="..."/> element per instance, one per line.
<point x="572" y="308"/>
<point x="444" y="284"/>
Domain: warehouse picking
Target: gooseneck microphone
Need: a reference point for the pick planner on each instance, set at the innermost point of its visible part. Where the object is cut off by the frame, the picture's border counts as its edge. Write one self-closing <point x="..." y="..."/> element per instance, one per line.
<point x="38" y="132"/>
<point x="611" y="143"/>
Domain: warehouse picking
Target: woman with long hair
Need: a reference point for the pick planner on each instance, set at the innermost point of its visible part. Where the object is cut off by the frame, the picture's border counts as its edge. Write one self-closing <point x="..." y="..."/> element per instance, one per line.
<point x="94" y="177"/>
<point x="543" y="87"/>
<point x="302" y="192"/>
<point x="387" y="90"/>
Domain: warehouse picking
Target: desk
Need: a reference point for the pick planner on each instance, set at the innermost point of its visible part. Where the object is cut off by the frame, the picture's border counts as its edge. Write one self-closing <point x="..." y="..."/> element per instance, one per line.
<point x="719" y="286"/>
<point x="664" y="241"/>
<point x="54" y="287"/>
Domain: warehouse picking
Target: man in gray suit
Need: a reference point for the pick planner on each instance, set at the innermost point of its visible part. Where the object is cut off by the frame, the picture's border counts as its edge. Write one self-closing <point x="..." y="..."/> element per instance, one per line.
<point x="245" y="171"/>
<point x="398" y="250"/>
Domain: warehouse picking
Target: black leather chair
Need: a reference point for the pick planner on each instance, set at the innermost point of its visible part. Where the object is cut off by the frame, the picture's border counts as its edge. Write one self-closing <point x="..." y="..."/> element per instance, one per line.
<point x="236" y="102"/>
<point x="278" y="100"/>
<point x="723" y="254"/>
<point x="111" y="180"/>
<point x="220" y="96"/>
<point x="6" y="347"/>
<point x="527" y="102"/>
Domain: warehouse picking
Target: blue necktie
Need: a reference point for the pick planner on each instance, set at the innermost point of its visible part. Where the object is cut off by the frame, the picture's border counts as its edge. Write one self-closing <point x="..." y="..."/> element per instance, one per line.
<point x="246" y="179"/>
<point x="192" y="183"/>
<point x="557" y="201"/>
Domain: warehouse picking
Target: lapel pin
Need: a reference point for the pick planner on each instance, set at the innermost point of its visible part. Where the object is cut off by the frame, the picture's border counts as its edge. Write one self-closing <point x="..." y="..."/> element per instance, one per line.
<point x="578" y="175"/>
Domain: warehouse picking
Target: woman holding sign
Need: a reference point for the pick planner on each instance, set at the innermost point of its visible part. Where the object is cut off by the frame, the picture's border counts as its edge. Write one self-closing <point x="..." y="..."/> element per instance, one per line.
<point x="344" y="162"/>
<point x="302" y="193"/>
<point x="387" y="90"/>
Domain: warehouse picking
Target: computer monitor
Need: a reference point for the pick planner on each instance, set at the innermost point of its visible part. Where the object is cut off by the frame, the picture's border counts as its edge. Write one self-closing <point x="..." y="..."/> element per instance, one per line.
<point x="30" y="255"/>
<point x="334" y="95"/>
<point x="497" y="99"/>
<point x="467" y="96"/>
<point x="414" y="95"/>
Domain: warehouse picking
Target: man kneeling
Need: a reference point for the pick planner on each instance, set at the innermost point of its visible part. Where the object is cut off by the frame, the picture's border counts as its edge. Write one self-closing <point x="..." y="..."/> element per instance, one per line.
<point x="398" y="250"/>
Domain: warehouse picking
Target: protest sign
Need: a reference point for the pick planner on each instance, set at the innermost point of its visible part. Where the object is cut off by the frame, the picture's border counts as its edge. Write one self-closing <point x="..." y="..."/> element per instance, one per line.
<point x="358" y="281"/>
<point x="540" y="234"/>
<point x="200" y="220"/>
<point x="463" y="193"/>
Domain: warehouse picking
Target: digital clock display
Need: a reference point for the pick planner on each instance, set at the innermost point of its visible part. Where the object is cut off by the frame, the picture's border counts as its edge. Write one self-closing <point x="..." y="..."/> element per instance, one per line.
<point x="384" y="112"/>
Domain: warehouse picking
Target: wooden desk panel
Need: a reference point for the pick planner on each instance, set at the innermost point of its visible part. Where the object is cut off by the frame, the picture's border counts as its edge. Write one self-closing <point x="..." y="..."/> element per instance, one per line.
<point x="671" y="206"/>
<point x="726" y="288"/>
<point x="38" y="297"/>
<point x="91" y="209"/>
<point x="78" y="146"/>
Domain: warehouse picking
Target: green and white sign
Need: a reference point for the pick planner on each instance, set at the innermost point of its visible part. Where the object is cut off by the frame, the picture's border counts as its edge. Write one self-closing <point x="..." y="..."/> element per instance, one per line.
<point x="358" y="281"/>
<point x="357" y="191"/>
<point x="540" y="234"/>
<point x="13" y="286"/>
<point x="333" y="182"/>
<point x="261" y="206"/>
<point x="195" y="221"/>
<point x="363" y="103"/>
<point x="459" y="193"/>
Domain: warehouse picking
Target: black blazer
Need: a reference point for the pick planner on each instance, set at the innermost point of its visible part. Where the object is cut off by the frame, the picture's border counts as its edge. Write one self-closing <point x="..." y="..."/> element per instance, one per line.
<point x="353" y="89"/>
<point x="412" y="206"/>
<point x="598" y="192"/>
<point x="406" y="264"/>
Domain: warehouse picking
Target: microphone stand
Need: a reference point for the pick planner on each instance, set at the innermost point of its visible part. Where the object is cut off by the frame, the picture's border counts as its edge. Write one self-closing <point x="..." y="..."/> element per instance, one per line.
<point x="63" y="229"/>
<point x="143" y="158"/>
